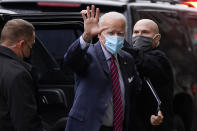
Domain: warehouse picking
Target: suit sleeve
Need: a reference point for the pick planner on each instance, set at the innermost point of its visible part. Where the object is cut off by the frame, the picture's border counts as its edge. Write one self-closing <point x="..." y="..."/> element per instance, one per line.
<point x="76" y="58"/>
<point x="22" y="103"/>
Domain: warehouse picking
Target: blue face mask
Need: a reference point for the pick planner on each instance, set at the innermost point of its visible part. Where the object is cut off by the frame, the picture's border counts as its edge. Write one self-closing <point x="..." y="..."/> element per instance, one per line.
<point x="114" y="43"/>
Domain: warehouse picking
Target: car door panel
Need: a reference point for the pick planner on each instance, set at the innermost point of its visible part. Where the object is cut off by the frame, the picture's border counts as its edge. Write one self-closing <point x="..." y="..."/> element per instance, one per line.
<point x="53" y="79"/>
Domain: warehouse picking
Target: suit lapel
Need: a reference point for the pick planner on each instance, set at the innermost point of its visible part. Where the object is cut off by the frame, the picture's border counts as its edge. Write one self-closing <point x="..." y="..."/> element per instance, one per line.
<point x="101" y="58"/>
<point x="124" y="71"/>
<point x="123" y="67"/>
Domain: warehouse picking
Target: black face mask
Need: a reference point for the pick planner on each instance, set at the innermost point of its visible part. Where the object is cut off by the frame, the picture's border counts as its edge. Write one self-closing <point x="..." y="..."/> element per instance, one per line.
<point x="28" y="59"/>
<point x="142" y="43"/>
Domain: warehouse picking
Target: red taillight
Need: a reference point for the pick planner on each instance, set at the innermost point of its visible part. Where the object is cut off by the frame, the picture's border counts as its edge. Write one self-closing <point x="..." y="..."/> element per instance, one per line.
<point x="194" y="89"/>
<point x="189" y="4"/>
<point x="55" y="4"/>
<point x="195" y="36"/>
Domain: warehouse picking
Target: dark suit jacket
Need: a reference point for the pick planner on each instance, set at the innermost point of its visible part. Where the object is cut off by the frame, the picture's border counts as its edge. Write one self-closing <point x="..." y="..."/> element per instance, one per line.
<point x="93" y="87"/>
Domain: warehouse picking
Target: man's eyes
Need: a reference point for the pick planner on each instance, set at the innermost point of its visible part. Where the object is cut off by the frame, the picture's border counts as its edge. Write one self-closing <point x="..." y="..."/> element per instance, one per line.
<point x="118" y="34"/>
<point x="142" y="32"/>
<point x="135" y="32"/>
<point x="110" y="33"/>
<point x="145" y="32"/>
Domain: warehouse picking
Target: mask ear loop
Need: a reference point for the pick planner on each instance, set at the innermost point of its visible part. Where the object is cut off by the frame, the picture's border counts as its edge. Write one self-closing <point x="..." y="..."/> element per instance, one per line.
<point x="12" y="46"/>
<point x="158" y="41"/>
<point x="103" y="41"/>
<point x="23" y="52"/>
<point x="158" y="44"/>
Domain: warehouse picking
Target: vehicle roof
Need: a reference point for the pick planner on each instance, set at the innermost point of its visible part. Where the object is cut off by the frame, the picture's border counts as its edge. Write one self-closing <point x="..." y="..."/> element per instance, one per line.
<point x="117" y="3"/>
<point x="16" y="5"/>
<point x="97" y="2"/>
<point x="40" y="6"/>
<point x="4" y="11"/>
<point x="163" y="5"/>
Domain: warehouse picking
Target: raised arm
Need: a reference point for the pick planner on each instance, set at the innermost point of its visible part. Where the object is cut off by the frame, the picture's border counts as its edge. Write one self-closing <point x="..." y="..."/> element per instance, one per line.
<point x="91" y="27"/>
<point x="76" y="55"/>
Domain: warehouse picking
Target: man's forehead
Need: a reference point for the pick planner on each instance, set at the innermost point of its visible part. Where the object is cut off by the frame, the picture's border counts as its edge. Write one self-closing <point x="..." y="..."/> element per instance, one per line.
<point x="114" y="22"/>
<point x="147" y="25"/>
<point x="142" y="27"/>
<point x="113" y="19"/>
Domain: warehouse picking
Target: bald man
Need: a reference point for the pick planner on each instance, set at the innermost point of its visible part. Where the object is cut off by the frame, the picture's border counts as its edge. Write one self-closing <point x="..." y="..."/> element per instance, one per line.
<point x="105" y="76"/>
<point x="145" y="30"/>
<point x="154" y="65"/>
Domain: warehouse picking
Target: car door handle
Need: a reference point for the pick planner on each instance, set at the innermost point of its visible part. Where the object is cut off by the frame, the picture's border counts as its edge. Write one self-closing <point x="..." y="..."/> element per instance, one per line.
<point x="52" y="97"/>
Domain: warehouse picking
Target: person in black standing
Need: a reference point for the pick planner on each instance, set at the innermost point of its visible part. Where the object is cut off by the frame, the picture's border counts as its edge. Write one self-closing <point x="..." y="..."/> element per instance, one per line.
<point x="152" y="64"/>
<point x="18" y="104"/>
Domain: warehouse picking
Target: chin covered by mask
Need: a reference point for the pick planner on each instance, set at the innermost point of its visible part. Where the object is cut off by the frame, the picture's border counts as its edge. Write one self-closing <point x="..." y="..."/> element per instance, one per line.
<point x="28" y="59"/>
<point x="114" y="43"/>
<point x="143" y="43"/>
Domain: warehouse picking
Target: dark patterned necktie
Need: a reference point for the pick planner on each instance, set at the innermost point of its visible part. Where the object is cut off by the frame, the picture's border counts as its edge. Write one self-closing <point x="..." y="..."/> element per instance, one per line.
<point x="117" y="100"/>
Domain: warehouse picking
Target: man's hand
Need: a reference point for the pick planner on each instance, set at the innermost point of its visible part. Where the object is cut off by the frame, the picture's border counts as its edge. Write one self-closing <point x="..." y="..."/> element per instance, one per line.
<point x="91" y="27"/>
<point x="156" y="119"/>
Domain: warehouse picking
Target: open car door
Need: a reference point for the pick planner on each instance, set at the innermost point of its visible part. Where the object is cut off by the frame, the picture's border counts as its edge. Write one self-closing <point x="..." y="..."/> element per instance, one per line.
<point x="55" y="32"/>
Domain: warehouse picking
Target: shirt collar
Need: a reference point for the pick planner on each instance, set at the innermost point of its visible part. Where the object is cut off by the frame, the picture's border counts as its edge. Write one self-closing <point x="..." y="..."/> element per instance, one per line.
<point x="107" y="54"/>
<point x="10" y="54"/>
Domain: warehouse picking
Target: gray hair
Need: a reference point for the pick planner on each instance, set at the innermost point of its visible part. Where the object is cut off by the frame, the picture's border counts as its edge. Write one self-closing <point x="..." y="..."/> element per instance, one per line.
<point x="113" y="15"/>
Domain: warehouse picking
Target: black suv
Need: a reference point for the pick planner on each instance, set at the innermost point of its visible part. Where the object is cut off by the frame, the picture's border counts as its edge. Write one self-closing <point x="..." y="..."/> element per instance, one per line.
<point x="58" y="23"/>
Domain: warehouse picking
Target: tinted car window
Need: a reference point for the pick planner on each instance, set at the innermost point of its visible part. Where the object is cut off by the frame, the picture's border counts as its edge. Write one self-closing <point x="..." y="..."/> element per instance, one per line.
<point x="50" y="47"/>
<point x="58" y="41"/>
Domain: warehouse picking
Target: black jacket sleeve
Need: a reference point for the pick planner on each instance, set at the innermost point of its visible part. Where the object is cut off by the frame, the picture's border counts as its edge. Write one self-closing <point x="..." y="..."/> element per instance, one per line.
<point x="22" y="103"/>
<point x="155" y="65"/>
